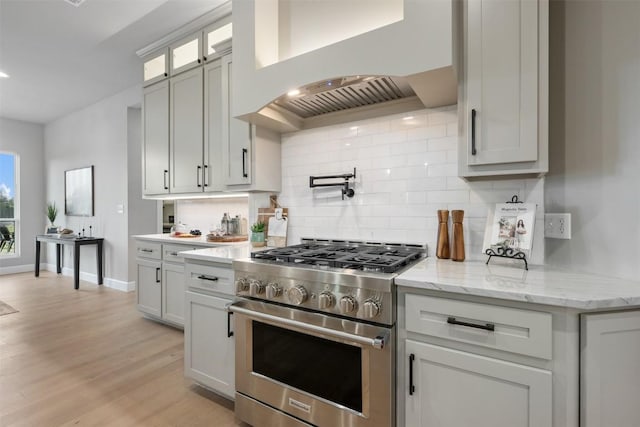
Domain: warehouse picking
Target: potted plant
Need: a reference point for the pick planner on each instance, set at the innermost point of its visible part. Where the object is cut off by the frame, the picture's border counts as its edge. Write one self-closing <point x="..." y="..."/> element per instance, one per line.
<point x="257" y="234"/>
<point x="52" y="213"/>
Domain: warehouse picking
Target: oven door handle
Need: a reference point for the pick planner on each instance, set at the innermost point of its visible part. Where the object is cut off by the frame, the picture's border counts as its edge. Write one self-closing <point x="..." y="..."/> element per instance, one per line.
<point x="377" y="342"/>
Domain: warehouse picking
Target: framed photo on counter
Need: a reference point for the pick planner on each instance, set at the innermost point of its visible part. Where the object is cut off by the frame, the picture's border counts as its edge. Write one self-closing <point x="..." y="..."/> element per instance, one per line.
<point x="510" y="225"/>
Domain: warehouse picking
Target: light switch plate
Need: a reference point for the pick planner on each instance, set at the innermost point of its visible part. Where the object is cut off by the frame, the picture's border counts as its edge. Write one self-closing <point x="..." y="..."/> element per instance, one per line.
<point x="557" y="226"/>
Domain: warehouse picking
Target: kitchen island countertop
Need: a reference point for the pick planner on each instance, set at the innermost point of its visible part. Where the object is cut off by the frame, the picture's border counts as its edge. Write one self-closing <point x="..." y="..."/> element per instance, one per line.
<point x="222" y="254"/>
<point x="540" y="285"/>
<point x="199" y="241"/>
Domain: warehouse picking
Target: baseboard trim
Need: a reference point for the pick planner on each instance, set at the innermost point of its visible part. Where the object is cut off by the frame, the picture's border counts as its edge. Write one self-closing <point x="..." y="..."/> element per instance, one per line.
<point x="119" y="285"/>
<point x="18" y="269"/>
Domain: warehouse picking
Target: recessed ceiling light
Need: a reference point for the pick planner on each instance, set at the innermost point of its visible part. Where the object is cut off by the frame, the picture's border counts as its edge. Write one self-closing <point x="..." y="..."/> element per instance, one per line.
<point x="3" y="75"/>
<point x="293" y="92"/>
<point x="75" y="3"/>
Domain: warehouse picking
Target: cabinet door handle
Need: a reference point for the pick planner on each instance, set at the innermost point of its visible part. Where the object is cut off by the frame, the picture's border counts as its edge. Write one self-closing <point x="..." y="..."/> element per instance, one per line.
<point x="198" y="175"/>
<point x="244" y="163"/>
<point x="166" y="175"/>
<point x="204" y="58"/>
<point x="412" y="387"/>
<point x="199" y="60"/>
<point x="229" y="331"/>
<point x="473" y="131"/>
<point x="157" y="275"/>
<point x="487" y="326"/>
<point x="204" y="176"/>
<point x="203" y="277"/>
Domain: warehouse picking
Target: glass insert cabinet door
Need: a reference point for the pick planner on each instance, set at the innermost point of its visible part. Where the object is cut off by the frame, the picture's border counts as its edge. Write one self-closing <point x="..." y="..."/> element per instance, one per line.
<point x="185" y="54"/>
<point x="156" y="67"/>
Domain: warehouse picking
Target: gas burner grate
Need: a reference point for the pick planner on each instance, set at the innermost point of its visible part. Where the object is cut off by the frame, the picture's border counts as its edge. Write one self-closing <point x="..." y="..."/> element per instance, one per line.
<point x="364" y="257"/>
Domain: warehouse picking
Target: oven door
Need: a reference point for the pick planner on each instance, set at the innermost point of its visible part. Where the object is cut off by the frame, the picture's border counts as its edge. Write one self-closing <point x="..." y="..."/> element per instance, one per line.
<point x="320" y="369"/>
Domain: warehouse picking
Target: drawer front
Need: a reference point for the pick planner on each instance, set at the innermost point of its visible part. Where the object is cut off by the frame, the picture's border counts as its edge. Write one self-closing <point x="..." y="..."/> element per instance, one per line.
<point x="514" y="330"/>
<point x="148" y="250"/>
<point x="171" y="253"/>
<point x="210" y="278"/>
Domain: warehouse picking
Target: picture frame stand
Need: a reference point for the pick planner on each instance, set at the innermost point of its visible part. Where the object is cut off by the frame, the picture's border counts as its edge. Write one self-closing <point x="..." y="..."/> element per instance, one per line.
<point x="506" y="252"/>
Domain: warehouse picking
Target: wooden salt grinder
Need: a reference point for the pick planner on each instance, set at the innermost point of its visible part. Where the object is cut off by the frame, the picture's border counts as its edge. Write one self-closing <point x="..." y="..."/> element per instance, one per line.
<point x="442" y="250"/>
<point x="457" y="253"/>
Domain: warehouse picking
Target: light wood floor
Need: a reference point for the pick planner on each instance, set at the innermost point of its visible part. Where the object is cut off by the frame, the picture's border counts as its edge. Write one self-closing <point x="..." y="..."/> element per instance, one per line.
<point x="88" y="357"/>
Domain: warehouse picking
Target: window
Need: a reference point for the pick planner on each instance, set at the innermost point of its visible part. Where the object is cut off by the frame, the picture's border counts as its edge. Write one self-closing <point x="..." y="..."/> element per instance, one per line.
<point x="9" y="218"/>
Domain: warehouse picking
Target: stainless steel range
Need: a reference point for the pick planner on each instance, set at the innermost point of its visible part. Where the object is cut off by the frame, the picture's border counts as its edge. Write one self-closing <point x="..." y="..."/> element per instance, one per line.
<point x="315" y="333"/>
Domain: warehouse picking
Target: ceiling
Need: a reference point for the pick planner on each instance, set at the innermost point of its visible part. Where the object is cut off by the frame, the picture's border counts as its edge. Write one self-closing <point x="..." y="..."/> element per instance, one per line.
<point x="61" y="58"/>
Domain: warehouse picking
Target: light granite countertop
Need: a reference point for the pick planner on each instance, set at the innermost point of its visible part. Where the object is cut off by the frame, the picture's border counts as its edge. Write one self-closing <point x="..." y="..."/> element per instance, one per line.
<point x="539" y="285"/>
<point x="198" y="241"/>
<point x="222" y="254"/>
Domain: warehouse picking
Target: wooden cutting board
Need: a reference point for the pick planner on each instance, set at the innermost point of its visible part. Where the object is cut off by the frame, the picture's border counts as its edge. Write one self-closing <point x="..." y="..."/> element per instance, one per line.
<point x="228" y="239"/>
<point x="265" y="213"/>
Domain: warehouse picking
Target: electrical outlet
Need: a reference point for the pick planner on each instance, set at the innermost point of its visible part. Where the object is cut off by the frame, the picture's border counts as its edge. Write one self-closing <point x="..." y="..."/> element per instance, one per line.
<point x="557" y="226"/>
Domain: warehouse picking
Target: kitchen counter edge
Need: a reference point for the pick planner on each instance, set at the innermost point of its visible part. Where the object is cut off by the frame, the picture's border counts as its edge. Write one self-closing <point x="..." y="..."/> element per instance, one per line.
<point x="538" y="285"/>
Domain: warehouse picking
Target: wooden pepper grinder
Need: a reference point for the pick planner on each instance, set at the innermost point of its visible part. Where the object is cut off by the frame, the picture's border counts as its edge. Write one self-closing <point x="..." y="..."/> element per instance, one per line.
<point x="457" y="253"/>
<point x="442" y="250"/>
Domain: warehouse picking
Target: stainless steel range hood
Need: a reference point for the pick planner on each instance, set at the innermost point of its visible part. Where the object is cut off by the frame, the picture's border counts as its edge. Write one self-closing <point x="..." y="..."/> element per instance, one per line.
<point x="345" y="99"/>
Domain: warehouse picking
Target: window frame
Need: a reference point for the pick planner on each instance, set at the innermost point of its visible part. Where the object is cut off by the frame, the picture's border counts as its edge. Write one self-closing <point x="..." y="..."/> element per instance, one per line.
<point x="16" y="207"/>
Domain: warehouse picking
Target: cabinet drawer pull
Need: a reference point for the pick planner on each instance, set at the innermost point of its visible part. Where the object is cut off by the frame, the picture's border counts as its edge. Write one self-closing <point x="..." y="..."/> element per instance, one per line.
<point x="157" y="275"/>
<point x="412" y="387"/>
<point x="212" y="279"/>
<point x="146" y="250"/>
<point x="244" y="162"/>
<point x="473" y="131"/>
<point x="173" y="253"/>
<point x="229" y="331"/>
<point x="487" y="326"/>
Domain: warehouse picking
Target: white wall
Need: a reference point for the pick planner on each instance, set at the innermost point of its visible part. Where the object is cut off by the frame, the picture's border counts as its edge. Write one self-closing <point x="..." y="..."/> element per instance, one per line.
<point x="26" y="139"/>
<point x="141" y="213"/>
<point x="595" y="135"/>
<point x="96" y="135"/>
<point x="205" y="214"/>
<point x="406" y="171"/>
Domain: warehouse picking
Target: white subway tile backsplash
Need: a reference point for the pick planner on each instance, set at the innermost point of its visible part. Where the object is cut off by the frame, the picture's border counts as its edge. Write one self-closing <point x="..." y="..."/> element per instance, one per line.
<point x="406" y="171"/>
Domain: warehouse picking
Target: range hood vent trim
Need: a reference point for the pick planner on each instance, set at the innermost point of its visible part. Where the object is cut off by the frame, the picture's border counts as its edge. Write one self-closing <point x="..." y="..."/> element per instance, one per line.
<point x="351" y="92"/>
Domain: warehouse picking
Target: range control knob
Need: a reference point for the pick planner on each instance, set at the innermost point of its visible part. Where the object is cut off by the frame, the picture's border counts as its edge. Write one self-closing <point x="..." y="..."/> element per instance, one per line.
<point x="371" y="308"/>
<point x="297" y="295"/>
<point x="242" y="285"/>
<point x="326" y="300"/>
<point x="256" y="288"/>
<point x="273" y="290"/>
<point x="348" y="304"/>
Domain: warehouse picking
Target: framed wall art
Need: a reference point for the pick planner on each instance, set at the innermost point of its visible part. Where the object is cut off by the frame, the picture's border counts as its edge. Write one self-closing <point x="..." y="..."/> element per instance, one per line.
<point x="78" y="192"/>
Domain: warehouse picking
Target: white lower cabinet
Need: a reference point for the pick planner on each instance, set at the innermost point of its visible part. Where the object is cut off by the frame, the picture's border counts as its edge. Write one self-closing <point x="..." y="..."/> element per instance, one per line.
<point x="453" y="388"/>
<point x="209" y="346"/>
<point x="173" y="292"/>
<point x="149" y="289"/>
<point x="610" y="369"/>
<point x="161" y="280"/>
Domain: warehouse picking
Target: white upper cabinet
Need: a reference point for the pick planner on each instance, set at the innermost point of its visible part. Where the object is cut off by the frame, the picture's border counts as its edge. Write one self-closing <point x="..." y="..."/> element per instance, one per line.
<point x="186" y="133"/>
<point x="251" y="155"/>
<point x="156" y="67"/>
<point x="504" y="105"/>
<point x="155" y="139"/>
<point x="186" y="53"/>
<point x="216" y="39"/>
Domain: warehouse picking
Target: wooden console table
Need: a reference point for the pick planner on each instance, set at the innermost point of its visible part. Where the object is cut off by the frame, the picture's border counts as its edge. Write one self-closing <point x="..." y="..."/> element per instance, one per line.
<point x="76" y="242"/>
